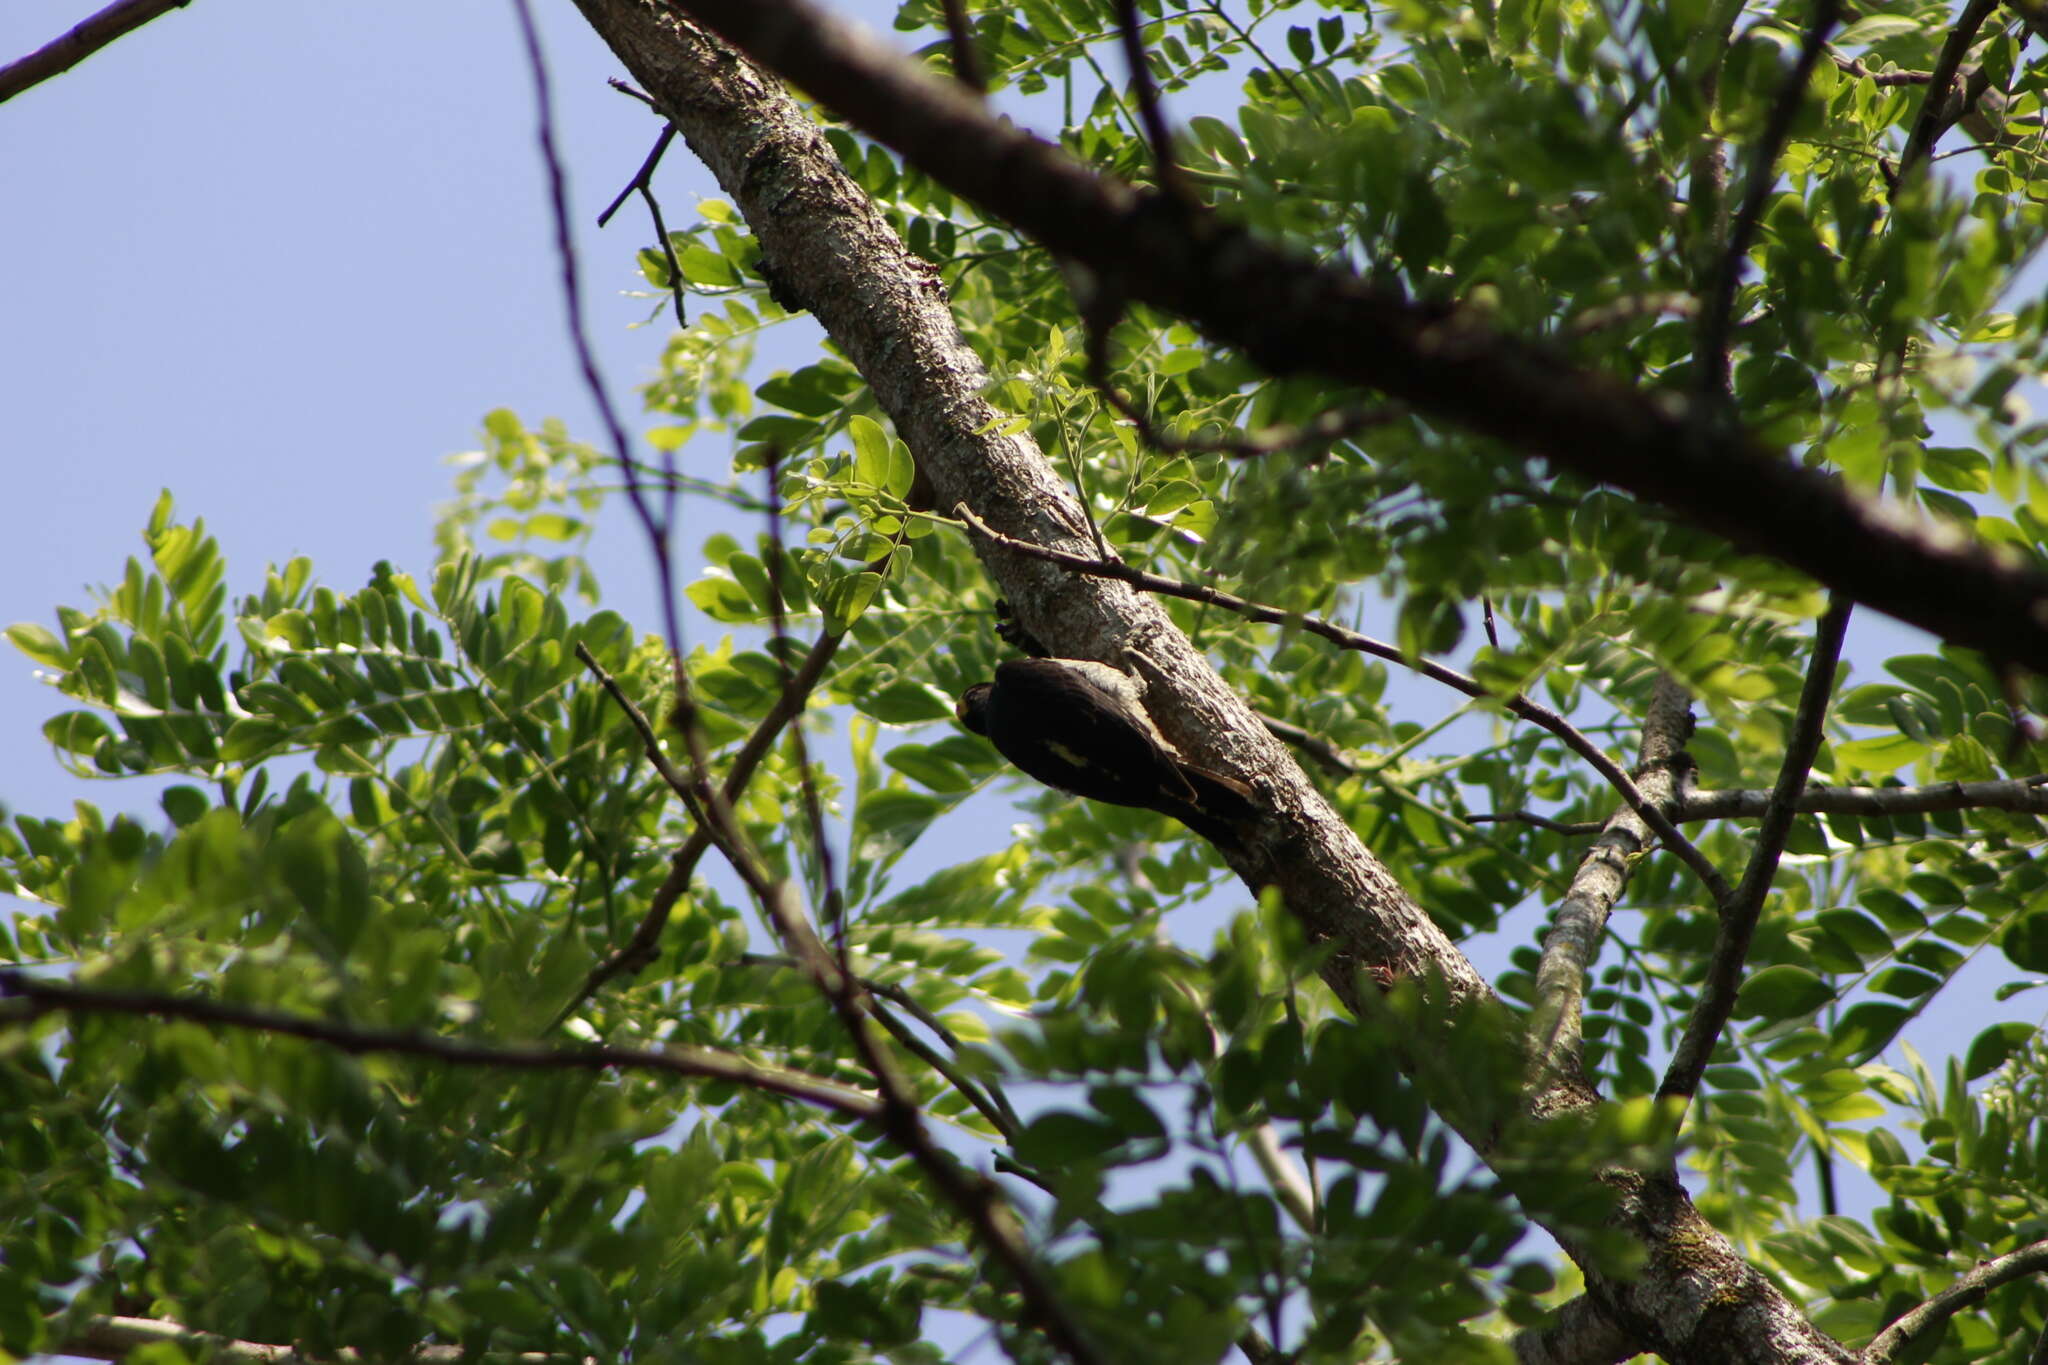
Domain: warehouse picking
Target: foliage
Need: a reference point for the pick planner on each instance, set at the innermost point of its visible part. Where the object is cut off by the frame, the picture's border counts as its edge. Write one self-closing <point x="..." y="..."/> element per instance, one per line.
<point x="409" y="807"/>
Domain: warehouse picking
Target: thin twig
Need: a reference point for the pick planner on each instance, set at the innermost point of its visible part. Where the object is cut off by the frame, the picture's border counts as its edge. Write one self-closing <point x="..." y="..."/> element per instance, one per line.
<point x="966" y="58"/>
<point x="1539" y="821"/>
<point x="642" y="183"/>
<point x="1326" y="429"/>
<point x="807" y="786"/>
<point x="656" y="528"/>
<point x="642" y="948"/>
<point x="1518" y="705"/>
<point x="1986" y="1276"/>
<point x="641" y="176"/>
<point x="1933" y="120"/>
<point x="1719" y="305"/>
<point x="83" y="39"/>
<point x="990" y="1100"/>
<point x="46" y="997"/>
<point x="1327" y="755"/>
<point x="1739" y="916"/>
<point x="1855" y="68"/>
<point x="1149" y="112"/>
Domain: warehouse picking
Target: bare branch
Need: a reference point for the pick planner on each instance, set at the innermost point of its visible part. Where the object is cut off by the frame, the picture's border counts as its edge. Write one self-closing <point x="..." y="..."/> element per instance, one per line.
<point x="1539" y="821"/>
<point x="1573" y="939"/>
<point x="1855" y="68"/>
<point x="1937" y="115"/>
<point x="60" y="54"/>
<point x="2027" y="795"/>
<point x="1719" y="305"/>
<point x="966" y="57"/>
<point x="642" y="182"/>
<point x="1147" y="94"/>
<point x="1574" y="739"/>
<point x="698" y="1063"/>
<point x="114" y="1338"/>
<point x="1328" y="756"/>
<point x="1986" y="1276"/>
<point x="641" y="949"/>
<point x="654" y="527"/>
<point x="1738" y="918"/>
<point x="2024" y="795"/>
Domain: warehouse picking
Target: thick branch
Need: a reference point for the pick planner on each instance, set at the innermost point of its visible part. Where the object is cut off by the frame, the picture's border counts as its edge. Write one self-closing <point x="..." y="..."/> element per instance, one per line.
<point x="1986" y="1276"/>
<point x="1578" y="1333"/>
<point x="60" y="54"/>
<point x="1291" y="315"/>
<point x="41" y="997"/>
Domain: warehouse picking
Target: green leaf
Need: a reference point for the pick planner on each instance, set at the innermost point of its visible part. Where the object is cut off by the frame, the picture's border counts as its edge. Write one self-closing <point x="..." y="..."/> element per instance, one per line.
<point x="1990" y="1048"/>
<point x="1784" y="991"/>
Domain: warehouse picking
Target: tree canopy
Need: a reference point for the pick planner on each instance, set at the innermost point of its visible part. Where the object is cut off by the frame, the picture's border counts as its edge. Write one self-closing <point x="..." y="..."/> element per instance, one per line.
<point x="505" y="978"/>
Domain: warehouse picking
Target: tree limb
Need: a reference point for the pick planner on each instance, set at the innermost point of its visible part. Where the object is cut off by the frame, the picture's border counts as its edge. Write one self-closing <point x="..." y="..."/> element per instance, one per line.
<point x="2027" y="795"/>
<point x="2031" y="1259"/>
<point x="60" y="54"/>
<point x="1579" y="1333"/>
<point x="700" y="1063"/>
<point x="1738" y="919"/>
<point x="889" y="314"/>
<point x="114" y="1338"/>
<point x="1573" y="939"/>
<point x="1935" y="116"/>
<point x="1719" y="304"/>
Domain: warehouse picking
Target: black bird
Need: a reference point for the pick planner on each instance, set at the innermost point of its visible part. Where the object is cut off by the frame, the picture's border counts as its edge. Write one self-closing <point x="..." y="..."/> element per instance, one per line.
<point x="1082" y="727"/>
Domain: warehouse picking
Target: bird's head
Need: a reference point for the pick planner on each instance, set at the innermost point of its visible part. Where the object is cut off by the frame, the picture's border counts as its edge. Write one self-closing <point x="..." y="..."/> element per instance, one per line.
<point x="972" y="708"/>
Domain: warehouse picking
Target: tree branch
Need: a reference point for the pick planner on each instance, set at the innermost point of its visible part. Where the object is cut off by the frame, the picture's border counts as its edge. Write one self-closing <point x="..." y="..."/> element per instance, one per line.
<point x="60" y="54"/>
<point x="886" y="311"/>
<point x="966" y="58"/>
<point x="2031" y="1259"/>
<point x="1719" y="304"/>
<point x="1935" y="117"/>
<point x="1291" y="315"/>
<point x="1147" y="94"/>
<point x="1555" y="1048"/>
<point x="114" y="1338"/>
<point x="698" y="1063"/>
<point x="1738" y="918"/>
<point x="2027" y="795"/>
<point x="2023" y="795"/>
<point x="641" y="949"/>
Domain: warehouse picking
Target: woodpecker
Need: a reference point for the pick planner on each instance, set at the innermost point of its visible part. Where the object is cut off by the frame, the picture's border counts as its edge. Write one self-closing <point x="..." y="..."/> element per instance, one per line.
<point x="1082" y="727"/>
